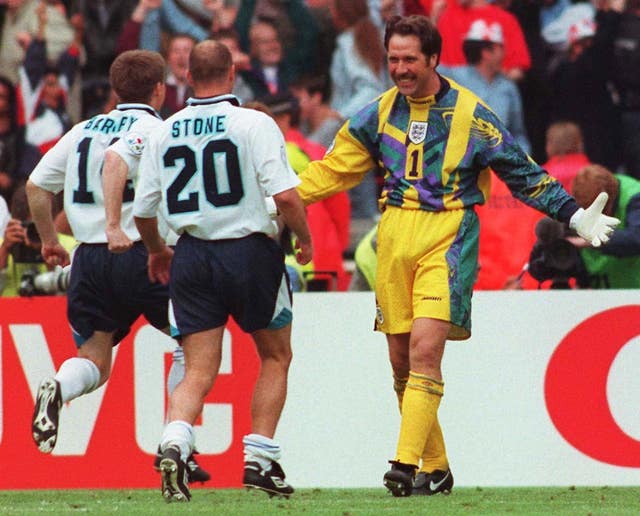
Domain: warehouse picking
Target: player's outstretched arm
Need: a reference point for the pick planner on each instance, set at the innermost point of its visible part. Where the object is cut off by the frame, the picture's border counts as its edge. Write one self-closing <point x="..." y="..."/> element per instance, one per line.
<point x="290" y="206"/>
<point x="40" y="201"/>
<point x="591" y="224"/>
<point x="114" y="178"/>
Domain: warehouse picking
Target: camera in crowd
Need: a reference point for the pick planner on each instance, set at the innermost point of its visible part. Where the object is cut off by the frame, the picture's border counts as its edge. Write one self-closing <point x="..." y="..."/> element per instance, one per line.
<point x="49" y="283"/>
<point x="29" y="251"/>
<point x="556" y="259"/>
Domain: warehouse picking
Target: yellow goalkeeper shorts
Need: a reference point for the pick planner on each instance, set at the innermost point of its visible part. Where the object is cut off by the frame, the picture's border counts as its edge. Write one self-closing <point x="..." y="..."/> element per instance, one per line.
<point x="427" y="265"/>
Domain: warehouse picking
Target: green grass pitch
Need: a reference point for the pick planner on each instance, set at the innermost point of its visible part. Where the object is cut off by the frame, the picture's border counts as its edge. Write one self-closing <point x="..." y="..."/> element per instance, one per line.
<point x="556" y="501"/>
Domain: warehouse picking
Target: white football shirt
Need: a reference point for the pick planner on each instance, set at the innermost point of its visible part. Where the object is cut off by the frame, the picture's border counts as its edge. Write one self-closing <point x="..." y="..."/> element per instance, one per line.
<point x="75" y="165"/>
<point x="209" y="168"/>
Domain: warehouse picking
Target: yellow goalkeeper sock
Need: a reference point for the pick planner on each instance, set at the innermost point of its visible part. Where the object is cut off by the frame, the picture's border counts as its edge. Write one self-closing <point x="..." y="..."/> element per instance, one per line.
<point x="419" y="412"/>
<point x="434" y="455"/>
<point x="399" y="385"/>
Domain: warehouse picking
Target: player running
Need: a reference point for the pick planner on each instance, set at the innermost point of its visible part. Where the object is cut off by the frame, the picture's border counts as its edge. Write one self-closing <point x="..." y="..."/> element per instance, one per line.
<point x="107" y="291"/>
<point x="209" y="168"/>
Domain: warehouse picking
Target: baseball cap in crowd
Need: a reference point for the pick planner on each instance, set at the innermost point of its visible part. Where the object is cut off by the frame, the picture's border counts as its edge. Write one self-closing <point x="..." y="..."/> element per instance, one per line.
<point x="584" y="28"/>
<point x="480" y="30"/>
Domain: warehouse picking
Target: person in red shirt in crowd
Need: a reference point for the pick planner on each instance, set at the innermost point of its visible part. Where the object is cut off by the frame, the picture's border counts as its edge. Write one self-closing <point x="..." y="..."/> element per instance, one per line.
<point x="430" y="8"/>
<point x="454" y="24"/>
<point x="507" y="235"/>
<point x="422" y="7"/>
<point x="507" y="227"/>
<point x="565" y="149"/>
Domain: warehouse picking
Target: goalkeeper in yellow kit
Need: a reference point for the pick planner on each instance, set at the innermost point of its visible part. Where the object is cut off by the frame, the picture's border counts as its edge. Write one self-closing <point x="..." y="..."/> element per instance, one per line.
<point x="436" y="143"/>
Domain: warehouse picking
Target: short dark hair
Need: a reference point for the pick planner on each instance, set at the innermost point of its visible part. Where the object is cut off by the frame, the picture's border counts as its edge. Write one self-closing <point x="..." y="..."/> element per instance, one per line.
<point x="267" y="20"/>
<point x="135" y="73"/>
<point x="415" y="25"/>
<point x="209" y="61"/>
<point x="472" y="49"/>
<point x="258" y="106"/>
<point x="313" y="83"/>
<point x="226" y="33"/>
<point x="19" y="205"/>
<point x="281" y="103"/>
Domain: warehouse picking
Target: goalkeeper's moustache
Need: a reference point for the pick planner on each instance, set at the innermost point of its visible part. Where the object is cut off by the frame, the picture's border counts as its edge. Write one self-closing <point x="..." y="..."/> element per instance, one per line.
<point x="591" y="224"/>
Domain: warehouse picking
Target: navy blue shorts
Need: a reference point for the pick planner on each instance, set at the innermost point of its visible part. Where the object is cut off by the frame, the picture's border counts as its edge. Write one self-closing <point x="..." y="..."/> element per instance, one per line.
<point x="244" y="278"/>
<point x="108" y="292"/>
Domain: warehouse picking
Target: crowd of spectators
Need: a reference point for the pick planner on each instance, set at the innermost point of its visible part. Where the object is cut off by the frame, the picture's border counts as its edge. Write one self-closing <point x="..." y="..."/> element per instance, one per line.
<point x="553" y="70"/>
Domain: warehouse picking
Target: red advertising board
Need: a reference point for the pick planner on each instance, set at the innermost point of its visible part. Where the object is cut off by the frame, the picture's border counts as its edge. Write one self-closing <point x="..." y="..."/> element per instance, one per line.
<point x="112" y="457"/>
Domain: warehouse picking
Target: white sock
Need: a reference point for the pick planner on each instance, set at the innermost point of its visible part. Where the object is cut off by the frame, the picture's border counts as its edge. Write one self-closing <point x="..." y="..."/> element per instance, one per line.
<point x="178" y="433"/>
<point x="176" y="372"/>
<point x="261" y="449"/>
<point x="77" y="376"/>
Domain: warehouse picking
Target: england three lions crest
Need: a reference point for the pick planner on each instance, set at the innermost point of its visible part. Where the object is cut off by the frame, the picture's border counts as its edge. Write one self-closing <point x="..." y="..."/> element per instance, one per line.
<point x="417" y="131"/>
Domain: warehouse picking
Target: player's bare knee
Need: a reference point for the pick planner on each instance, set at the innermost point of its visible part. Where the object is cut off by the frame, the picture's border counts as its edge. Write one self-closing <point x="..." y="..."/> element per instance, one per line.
<point x="280" y="356"/>
<point x="399" y="364"/>
<point x="199" y="381"/>
<point x="284" y="361"/>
